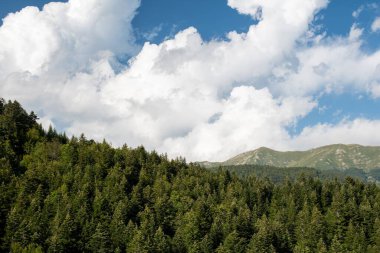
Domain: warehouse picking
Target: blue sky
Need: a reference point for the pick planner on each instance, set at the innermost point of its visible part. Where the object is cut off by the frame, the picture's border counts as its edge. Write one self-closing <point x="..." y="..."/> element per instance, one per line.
<point x="158" y="20"/>
<point x="213" y="18"/>
<point x="16" y="5"/>
<point x="332" y="80"/>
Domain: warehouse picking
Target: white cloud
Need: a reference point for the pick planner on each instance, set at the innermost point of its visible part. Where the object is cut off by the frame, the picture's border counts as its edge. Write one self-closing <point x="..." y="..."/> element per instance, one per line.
<point x="375" y="89"/>
<point x="358" y="11"/>
<point x="355" y="33"/>
<point x="64" y="36"/>
<point x="364" y="8"/>
<point x="376" y="25"/>
<point x="333" y="65"/>
<point x="360" y="131"/>
<point x="249" y="118"/>
<point x="46" y="122"/>
<point x="152" y="34"/>
<point x="202" y="100"/>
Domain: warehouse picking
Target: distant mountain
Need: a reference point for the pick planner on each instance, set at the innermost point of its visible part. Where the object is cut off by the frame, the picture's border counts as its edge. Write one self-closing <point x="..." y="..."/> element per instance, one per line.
<point x="338" y="156"/>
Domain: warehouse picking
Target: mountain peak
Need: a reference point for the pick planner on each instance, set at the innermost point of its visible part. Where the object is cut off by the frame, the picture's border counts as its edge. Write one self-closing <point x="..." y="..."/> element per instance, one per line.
<point x="335" y="156"/>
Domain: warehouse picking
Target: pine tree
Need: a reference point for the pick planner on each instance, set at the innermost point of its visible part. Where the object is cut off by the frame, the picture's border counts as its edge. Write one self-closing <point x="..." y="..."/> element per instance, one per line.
<point x="336" y="246"/>
<point x="303" y="230"/>
<point x="262" y="241"/>
<point x="101" y="239"/>
<point x="375" y="237"/>
<point x="161" y="242"/>
<point x="118" y="229"/>
<point x="139" y="243"/>
<point x="321" y="247"/>
<point x="354" y="239"/>
<point x="65" y="235"/>
<point x="233" y="243"/>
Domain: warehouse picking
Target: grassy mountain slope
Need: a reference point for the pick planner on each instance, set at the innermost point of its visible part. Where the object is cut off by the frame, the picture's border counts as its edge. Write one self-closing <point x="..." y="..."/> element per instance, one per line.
<point x="336" y="156"/>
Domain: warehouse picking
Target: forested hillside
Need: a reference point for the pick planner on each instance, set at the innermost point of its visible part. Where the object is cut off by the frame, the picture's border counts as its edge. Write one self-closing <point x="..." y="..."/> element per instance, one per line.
<point x="60" y="194"/>
<point x="280" y="174"/>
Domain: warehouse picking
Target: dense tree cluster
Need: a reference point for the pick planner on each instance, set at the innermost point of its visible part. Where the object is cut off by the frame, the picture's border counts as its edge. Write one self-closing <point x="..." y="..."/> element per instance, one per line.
<point x="279" y="174"/>
<point x="77" y="195"/>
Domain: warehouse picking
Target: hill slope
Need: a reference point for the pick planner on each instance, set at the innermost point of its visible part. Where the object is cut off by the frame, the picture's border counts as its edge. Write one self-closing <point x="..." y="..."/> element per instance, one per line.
<point x="336" y="156"/>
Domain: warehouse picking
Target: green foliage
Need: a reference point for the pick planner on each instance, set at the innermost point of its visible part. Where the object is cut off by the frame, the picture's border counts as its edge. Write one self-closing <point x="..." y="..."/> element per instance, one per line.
<point x="77" y="195"/>
<point x="280" y="174"/>
<point x="31" y="248"/>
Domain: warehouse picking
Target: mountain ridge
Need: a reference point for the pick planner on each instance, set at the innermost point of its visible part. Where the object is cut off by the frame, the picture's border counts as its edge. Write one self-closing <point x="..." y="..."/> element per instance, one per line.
<point x="334" y="156"/>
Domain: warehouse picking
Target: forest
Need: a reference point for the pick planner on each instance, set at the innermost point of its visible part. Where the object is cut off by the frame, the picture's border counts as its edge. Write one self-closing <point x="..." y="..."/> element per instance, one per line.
<point x="60" y="194"/>
<point x="280" y="174"/>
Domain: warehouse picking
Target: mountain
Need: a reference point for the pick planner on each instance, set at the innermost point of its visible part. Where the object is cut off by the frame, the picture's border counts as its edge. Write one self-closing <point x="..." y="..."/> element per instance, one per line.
<point x="336" y="156"/>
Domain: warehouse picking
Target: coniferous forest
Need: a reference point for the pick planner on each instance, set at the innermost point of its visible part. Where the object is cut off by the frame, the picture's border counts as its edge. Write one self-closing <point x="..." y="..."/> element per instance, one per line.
<point x="60" y="194"/>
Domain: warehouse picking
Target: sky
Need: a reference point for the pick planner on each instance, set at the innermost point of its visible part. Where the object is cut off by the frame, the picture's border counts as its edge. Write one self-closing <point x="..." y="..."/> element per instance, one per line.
<point x="201" y="79"/>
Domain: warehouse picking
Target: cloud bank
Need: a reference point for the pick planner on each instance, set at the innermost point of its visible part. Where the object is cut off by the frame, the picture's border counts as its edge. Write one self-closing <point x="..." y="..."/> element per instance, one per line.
<point x="205" y="100"/>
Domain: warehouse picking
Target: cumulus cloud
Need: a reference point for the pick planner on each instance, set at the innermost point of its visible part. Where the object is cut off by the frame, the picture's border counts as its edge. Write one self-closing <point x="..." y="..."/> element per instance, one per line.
<point x="248" y="119"/>
<point x="64" y="36"/>
<point x="376" y="25"/>
<point x="362" y="131"/>
<point x="184" y="96"/>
